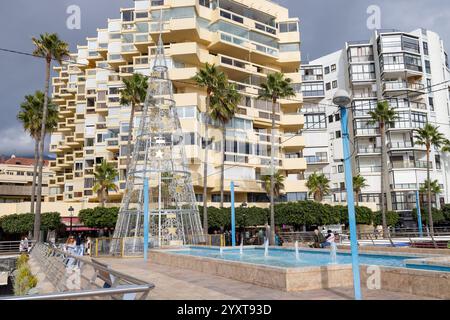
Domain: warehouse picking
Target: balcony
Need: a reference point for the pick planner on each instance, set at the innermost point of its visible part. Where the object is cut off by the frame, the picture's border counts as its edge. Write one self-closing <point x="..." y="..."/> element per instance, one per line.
<point x="370" y="169"/>
<point x="403" y="86"/>
<point x="404" y="145"/>
<point x="369" y="150"/>
<point x="367" y="132"/>
<point x="417" y="164"/>
<point x="294" y="164"/>
<point x="291" y="141"/>
<point x="293" y="120"/>
<point x="314" y="160"/>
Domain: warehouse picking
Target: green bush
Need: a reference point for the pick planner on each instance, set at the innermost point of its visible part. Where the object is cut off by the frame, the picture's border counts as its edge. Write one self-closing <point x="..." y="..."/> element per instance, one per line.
<point x="24" y="280"/>
<point x="99" y="217"/>
<point x="446" y="212"/>
<point x="392" y="218"/>
<point x="438" y="215"/>
<point x="24" y="223"/>
<point x="363" y="215"/>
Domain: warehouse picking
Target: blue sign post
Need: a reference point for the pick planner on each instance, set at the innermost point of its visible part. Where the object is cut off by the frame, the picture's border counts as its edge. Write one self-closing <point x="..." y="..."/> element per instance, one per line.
<point x="233" y="217"/>
<point x="419" y="214"/>
<point x="342" y="99"/>
<point x="146" y="224"/>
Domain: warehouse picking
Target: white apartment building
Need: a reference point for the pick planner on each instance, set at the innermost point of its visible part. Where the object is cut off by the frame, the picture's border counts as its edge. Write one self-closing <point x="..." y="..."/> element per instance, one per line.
<point x="410" y="71"/>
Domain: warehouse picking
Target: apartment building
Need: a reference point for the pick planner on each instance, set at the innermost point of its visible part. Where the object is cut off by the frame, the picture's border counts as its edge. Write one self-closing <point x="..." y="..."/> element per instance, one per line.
<point x="411" y="72"/>
<point x="247" y="39"/>
<point x="16" y="178"/>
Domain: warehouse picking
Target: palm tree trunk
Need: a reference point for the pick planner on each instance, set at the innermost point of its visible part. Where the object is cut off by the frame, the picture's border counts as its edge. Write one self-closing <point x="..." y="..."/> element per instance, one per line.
<point x="37" y="216"/>
<point x="205" y="170"/>
<point x="357" y="198"/>
<point x="222" y="166"/>
<point x="272" y="171"/>
<point x="130" y="132"/>
<point x="430" y="214"/>
<point x="104" y="197"/>
<point x="383" y="178"/>
<point x="35" y="165"/>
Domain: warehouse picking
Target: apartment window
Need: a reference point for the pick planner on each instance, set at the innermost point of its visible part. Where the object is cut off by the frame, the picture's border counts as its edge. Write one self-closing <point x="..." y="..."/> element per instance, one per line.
<point x="418" y="119"/>
<point x="327" y="70"/>
<point x="331" y="136"/>
<point x="429" y="85"/>
<point x="338" y="134"/>
<point x="205" y="3"/>
<point x="337" y="117"/>
<point x="425" y="48"/>
<point x="257" y="197"/>
<point x="199" y="197"/>
<point x="334" y="84"/>
<point x="362" y="72"/>
<point x="313" y="89"/>
<point x="330" y="118"/>
<point x="288" y="27"/>
<point x="328" y="86"/>
<point x="340" y="169"/>
<point x="431" y="103"/>
<point x="342" y="184"/>
<point x="315" y="121"/>
<point x="128" y="15"/>
<point x="99" y="138"/>
<point x="216" y="198"/>
<point x="427" y="66"/>
<point x="437" y="159"/>
<point x="296" y="196"/>
<point x="333" y="68"/>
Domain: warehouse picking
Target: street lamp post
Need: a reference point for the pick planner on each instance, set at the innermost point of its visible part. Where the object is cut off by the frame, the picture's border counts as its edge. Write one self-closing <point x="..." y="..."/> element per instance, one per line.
<point x="71" y="210"/>
<point x="342" y="99"/>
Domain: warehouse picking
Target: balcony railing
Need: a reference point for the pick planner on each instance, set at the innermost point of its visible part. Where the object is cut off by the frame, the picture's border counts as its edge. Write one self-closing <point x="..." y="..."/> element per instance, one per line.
<point x="315" y="77"/>
<point x="316" y="159"/>
<point x="409" y="165"/>
<point x="372" y="169"/>
<point x="403" y="85"/>
<point x="368" y="150"/>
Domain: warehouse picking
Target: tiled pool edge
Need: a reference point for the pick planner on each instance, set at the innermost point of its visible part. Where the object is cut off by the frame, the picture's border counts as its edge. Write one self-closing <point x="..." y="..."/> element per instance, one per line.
<point x="419" y="282"/>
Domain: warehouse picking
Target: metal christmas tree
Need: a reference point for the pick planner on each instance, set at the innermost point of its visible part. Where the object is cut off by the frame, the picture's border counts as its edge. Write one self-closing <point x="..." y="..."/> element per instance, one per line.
<point x="159" y="156"/>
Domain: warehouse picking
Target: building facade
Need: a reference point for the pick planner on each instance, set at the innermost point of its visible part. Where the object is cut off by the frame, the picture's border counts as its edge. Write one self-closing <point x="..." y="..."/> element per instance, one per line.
<point x="247" y="39"/>
<point x="408" y="70"/>
<point x="16" y="179"/>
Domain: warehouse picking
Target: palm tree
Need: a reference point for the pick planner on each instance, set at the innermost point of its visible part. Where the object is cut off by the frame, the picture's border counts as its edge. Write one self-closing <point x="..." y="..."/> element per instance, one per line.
<point x="277" y="87"/>
<point x="49" y="47"/>
<point x="223" y="108"/>
<point x="30" y="115"/>
<point x="212" y="79"/>
<point x="429" y="136"/>
<point x="359" y="183"/>
<point x="278" y="185"/>
<point x="383" y="115"/>
<point x="105" y="176"/>
<point x="133" y="94"/>
<point x="433" y="186"/>
<point x="318" y="186"/>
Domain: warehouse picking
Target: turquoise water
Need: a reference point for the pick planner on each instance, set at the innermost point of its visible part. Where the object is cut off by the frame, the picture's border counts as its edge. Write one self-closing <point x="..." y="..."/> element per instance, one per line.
<point x="286" y="257"/>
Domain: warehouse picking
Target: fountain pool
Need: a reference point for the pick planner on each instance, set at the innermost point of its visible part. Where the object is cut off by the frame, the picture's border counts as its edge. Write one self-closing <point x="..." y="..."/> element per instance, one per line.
<point x="286" y="258"/>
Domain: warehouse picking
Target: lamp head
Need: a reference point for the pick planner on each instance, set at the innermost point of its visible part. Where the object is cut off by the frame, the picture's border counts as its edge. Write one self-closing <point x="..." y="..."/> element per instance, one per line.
<point x="342" y="98"/>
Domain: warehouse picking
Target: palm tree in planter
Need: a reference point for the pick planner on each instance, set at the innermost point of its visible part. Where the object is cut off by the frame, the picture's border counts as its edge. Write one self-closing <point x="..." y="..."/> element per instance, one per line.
<point x="383" y="115"/>
<point x="105" y="177"/>
<point x="359" y="183"/>
<point x="30" y="115"/>
<point x="278" y="185"/>
<point x="212" y="80"/>
<point x="222" y="109"/>
<point x="133" y="95"/>
<point x="430" y="136"/>
<point x="49" y="47"/>
<point x="277" y="87"/>
<point x="318" y="186"/>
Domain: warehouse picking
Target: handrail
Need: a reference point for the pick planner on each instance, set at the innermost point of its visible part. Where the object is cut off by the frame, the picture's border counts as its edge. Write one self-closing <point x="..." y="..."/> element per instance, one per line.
<point x="12" y="247"/>
<point x="68" y="272"/>
<point x="130" y="289"/>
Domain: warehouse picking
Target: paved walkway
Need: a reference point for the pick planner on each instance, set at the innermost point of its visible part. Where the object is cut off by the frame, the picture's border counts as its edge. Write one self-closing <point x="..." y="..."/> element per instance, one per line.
<point x="181" y="284"/>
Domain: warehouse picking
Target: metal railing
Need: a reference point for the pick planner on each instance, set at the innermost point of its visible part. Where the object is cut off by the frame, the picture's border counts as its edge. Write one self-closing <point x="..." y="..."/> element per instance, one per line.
<point x="75" y="277"/>
<point x="12" y="247"/>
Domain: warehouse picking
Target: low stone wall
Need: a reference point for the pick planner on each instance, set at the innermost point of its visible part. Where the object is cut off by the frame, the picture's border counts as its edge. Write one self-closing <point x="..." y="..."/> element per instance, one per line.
<point x="397" y="250"/>
<point x="425" y="283"/>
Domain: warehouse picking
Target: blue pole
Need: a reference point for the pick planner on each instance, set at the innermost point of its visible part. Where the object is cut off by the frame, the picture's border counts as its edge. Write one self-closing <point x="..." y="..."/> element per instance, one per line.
<point x="146" y="224"/>
<point x="419" y="214"/>
<point x="233" y="218"/>
<point x="350" y="202"/>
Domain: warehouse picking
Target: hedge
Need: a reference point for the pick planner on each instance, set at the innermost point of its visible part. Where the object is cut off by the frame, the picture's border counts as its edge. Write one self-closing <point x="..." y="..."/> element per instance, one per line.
<point x="439" y="216"/>
<point x="24" y="223"/>
<point x="296" y="214"/>
<point x="99" y="217"/>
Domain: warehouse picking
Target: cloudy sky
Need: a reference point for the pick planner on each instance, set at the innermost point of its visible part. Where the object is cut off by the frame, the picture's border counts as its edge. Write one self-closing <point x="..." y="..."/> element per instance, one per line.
<point x="325" y="26"/>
